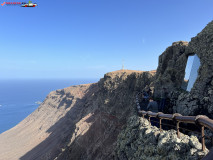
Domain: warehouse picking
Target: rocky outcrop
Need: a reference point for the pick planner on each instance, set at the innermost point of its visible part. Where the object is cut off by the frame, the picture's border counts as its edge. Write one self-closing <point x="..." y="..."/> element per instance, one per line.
<point x="171" y="71"/>
<point x="142" y="141"/>
<point x="171" y="68"/>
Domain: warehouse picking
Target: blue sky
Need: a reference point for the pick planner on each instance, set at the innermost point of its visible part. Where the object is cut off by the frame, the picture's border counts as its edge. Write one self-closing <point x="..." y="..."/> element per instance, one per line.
<point x="87" y="38"/>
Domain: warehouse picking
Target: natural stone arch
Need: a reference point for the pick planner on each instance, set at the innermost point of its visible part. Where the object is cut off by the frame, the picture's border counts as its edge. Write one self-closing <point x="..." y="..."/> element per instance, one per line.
<point x="194" y="72"/>
<point x="200" y="99"/>
<point x="191" y="72"/>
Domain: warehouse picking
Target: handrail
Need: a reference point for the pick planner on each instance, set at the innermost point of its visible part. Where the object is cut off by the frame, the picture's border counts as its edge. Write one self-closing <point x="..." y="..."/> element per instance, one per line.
<point x="186" y="119"/>
<point x="166" y="116"/>
<point x="205" y="121"/>
<point x="200" y="120"/>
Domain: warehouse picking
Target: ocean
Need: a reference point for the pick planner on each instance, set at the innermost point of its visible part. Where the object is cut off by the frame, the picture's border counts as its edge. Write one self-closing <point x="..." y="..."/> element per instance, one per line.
<point x="19" y="98"/>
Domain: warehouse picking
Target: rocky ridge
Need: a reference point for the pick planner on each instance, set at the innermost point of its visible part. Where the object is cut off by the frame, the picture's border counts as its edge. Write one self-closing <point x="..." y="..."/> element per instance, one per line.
<point x="114" y="103"/>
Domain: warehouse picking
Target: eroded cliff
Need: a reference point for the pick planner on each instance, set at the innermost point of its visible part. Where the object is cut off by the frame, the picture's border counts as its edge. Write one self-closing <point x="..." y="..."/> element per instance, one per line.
<point x="78" y="122"/>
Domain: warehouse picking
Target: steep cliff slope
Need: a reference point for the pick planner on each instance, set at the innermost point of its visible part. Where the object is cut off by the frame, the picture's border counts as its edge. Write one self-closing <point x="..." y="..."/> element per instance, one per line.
<point x="46" y="129"/>
<point x="78" y="122"/>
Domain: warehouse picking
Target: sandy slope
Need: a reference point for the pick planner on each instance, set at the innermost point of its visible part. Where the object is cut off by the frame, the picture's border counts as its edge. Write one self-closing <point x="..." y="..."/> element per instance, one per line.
<point x="17" y="141"/>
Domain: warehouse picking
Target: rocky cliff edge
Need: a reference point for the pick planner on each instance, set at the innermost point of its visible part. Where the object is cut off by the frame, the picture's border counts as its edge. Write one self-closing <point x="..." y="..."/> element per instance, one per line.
<point x="78" y="122"/>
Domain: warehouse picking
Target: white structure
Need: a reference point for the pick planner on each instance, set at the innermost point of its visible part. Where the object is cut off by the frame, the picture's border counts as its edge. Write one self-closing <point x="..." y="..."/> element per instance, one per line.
<point x="193" y="73"/>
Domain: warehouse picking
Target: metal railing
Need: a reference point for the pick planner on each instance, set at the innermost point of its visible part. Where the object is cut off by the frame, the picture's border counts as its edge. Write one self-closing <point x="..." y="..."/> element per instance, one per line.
<point x="200" y="121"/>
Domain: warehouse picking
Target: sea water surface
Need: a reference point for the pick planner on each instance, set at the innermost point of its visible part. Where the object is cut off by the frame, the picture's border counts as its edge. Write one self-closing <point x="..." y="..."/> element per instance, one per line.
<point x="19" y="98"/>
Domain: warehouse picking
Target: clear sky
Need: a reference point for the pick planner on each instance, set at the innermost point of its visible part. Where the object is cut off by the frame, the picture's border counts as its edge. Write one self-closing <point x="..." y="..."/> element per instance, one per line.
<point x="87" y="38"/>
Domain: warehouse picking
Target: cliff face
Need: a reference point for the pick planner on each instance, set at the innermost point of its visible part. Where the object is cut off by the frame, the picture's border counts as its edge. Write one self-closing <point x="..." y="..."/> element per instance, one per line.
<point x="78" y="122"/>
<point x="112" y="105"/>
<point x="42" y="134"/>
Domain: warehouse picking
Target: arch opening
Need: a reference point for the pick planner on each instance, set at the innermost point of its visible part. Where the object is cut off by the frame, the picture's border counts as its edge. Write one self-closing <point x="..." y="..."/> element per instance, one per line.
<point x="191" y="72"/>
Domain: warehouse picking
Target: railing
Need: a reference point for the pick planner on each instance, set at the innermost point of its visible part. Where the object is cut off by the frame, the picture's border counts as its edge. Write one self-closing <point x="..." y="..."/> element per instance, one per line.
<point x="201" y="121"/>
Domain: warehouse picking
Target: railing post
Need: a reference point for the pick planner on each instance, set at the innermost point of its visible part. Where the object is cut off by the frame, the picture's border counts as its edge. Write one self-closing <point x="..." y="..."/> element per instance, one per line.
<point x="160" y="126"/>
<point x="203" y="138"/>
<point x="149" y="120"/>
<point x="178" y="131"/>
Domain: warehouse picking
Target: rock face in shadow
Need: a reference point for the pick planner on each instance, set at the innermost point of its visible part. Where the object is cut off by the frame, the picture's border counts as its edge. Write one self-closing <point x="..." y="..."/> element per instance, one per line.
<point x="171" y="71"/>
<point x="171" y="68"/>
<point x="114" y="104"/>
<point x="78" y="122"/>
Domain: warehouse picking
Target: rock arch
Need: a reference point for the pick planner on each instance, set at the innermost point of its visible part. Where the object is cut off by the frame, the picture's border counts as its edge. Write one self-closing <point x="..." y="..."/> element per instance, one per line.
<point x="171" y="70"/>
<point x="191" y="72"/>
